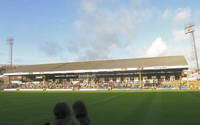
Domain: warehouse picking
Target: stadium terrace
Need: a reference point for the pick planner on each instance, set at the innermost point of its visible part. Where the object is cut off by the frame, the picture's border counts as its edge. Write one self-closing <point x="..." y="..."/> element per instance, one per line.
<point x="91" y="74"/>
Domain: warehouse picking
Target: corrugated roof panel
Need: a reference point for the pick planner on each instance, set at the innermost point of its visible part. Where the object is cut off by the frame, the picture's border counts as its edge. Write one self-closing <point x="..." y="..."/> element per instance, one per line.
<point x="104" y="64"/>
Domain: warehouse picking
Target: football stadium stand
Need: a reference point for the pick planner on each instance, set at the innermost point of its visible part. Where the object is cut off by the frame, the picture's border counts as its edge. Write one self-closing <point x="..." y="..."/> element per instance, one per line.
<point x="120" y="73"/>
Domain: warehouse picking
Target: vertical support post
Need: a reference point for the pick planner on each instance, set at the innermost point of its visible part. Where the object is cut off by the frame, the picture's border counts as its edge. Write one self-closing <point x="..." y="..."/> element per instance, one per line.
<point x="21" y="78"/>
<point x="9" y="81"/>
<point x="180" y="77"/>
<point x="195" y="50"/>
<point x="140" y="77"/>
<point x="11" y="54"/>
<point x="10" y="43"/>
<point x="189" y="29"/>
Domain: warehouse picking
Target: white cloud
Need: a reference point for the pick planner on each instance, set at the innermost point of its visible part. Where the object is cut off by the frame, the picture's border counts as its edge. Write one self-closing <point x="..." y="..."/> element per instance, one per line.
<point x="157" y="48"/>
<point x="106" y="30"/>
<point x="88" y="6"/>
<point x="182" y="15"/>
<point x="167" y="13"/>
<point x="177" y="16"/>
<point x="179" y="35"/>
<point x="51" y="49"/>
<point x="137" y="3"/>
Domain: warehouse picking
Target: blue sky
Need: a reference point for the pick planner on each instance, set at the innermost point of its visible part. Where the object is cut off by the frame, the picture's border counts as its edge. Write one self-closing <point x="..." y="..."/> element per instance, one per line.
<point x="51" y="31"/>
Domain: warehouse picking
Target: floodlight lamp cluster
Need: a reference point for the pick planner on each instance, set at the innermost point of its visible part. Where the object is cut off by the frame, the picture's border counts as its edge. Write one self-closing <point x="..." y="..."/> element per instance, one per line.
<point x="10" y="41"/>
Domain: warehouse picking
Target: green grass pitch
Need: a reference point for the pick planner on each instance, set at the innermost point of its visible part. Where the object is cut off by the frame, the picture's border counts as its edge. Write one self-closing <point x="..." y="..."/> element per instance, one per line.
<point x="105" y="108"/>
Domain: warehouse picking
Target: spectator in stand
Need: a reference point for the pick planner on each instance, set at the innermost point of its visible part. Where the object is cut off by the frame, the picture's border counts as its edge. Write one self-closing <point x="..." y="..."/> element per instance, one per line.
<point x="63" y="115"/>
<point x="81" y="113"/>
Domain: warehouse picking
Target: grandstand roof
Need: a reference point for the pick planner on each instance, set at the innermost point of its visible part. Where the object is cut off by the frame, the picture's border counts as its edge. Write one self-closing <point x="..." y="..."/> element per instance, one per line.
<point x="165" y="61"/>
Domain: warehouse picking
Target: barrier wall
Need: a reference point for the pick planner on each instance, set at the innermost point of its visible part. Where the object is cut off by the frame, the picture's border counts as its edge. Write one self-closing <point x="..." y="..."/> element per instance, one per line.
<point x="88" y="89"/>
<point x="58" y="89"/>
<point x="122" y="89"/>
<point x="10" y="90"/>
<point x="30" y="89"/>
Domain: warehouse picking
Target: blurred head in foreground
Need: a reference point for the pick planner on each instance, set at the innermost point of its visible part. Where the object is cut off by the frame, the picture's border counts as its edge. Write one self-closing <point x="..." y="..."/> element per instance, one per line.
<point x="81" y="113"/>
<point x="63" y="115"/>
<point x="61" y="110"/>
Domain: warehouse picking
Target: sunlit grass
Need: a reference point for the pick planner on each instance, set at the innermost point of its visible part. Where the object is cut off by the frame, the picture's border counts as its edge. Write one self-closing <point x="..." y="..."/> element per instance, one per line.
<point x="106" y="108"/>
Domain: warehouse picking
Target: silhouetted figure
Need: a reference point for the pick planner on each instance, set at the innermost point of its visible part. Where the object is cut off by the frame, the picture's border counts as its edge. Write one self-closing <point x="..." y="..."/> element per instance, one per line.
<point x="81" y="113"/>
<point x="64" y="115"/>
<point x="47" y="123"/>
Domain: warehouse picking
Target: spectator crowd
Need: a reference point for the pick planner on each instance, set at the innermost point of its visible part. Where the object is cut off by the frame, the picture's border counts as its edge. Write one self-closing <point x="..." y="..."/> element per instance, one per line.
<point x="94" y="85"/>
